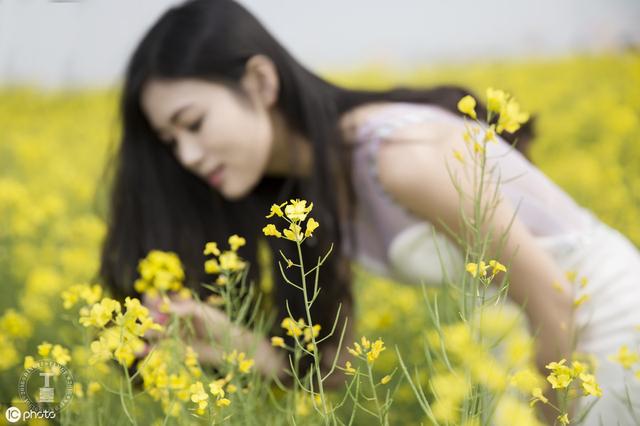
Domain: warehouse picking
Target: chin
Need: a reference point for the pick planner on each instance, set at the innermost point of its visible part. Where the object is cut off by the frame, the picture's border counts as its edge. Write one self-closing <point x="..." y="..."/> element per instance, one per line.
<point x="237" y="193"/>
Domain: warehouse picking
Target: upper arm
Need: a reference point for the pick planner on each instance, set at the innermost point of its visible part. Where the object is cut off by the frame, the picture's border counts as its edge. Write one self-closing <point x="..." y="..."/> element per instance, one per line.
<point x="418" y="176"/>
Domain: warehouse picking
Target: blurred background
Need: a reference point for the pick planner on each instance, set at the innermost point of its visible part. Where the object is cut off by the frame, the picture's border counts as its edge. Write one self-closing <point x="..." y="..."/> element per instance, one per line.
<point x="81" y="42"/>
<point x="576" y="64"/>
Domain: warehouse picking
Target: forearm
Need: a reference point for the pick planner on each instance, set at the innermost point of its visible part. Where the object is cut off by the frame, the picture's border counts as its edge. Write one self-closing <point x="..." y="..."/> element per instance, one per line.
<point x="548" y="310"/>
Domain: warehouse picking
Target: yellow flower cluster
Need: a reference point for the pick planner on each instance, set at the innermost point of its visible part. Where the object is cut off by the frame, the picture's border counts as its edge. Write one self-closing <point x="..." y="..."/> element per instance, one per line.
<point x="470" y="355"/>
<point x="160" y="272"/>
<point x="296" y="329"/>
<point x="481" y="268"/>
<point x="166" y="380"/>
<point x="510" y="117"/>
<point x="240" y="361"/>
<point x="90" y="294"/>
<point x="58" y="353"/>
<point x="216" y="388"/>
<point x="367" y="350"/>
<point x="295" y="212"/>
<point x="627" y="358"/>
<point x="450" y="388"/>
<point x="562" y="375"/>
<point x="225" y="263"/>
<point x="14" y="324"/>
<point x="123" y="339"/>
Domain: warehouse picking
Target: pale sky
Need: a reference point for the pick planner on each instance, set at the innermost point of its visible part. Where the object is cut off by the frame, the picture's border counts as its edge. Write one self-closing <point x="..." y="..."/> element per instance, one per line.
<point x="87" y="42"/>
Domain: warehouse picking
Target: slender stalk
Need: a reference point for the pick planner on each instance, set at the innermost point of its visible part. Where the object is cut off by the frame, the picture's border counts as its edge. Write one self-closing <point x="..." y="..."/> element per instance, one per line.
<point x="316" y="358"/>
<point x="381" y="416"/>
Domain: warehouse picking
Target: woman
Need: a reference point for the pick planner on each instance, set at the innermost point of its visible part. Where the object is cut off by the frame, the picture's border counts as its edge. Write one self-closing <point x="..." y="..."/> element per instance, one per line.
<point x="220" y="122"/>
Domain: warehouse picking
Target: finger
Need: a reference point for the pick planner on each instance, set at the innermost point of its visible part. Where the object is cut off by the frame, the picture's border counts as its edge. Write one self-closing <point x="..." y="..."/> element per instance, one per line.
<point x="144" y="351"/>
<point x="207" y="354"/>
<point x="154" y="335"/>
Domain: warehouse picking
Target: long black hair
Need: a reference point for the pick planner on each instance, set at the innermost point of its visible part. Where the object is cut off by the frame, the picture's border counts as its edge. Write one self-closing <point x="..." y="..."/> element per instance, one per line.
<point x="157" y="204"/>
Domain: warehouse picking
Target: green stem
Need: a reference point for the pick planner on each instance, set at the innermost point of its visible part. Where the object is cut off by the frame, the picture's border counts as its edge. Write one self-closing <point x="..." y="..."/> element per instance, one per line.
<point x="381" y="415"/>
<point x="316" y="358"/>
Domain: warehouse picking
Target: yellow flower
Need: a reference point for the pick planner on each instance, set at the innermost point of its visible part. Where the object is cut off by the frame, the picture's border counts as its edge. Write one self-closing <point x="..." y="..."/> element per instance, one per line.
<point x="93" y="388"/>
<point x="29" y="362"/>
<point x="557" y="286"/>
<point x="571" y="276"/>
<point x="44" y="348"/>
<point x="276" y="210"/>
<point x="527" y="380"/>
<point x="212" y="248"/>
<point x="374" y="352"/>
<point x="293" y="329"/>
<point x="239" y="358"/>
<point x="311" y="226"/>
<point x="497" y="267"/>
<point x="235" y="242"/>
<point x="294" y="233"/>
<point x="458" y="156"/>
<point x="564" y="419"/>
<point x="490" y="134"/>
<point x="580" y="300"/>
<point x="308" y="331"/>
<point x="589" y="385"/>
<point x="223" y="402"/>
<point x="538" y="396"/>
<point x="511" y="411"/>
<point x="297" y="210"/>
<point x="348" y="369"/>
<point x="578" y="368"/>
<point x="60" y="355"/>
<point x="244" y="366"/>
<point x="354" y="352"/>
<point x="467" y="105"/>
<point x="198" y="395"/>
<point x="216" y="388"/>
<point x="160" y="271"/>
<point x="625" y="357"/>
<point x="386" y="379"/>
<point x="100" y="313"/>
<point x="495" y="99"/>
<point x="230" y="261"/>
<point x="277" y="341"/>
<point x="477" y="268"/>
<point x="561" y="376"/>
<point x="271" y="231"/>
<point x="511" y="117"/>
<point x="212" y="266"/>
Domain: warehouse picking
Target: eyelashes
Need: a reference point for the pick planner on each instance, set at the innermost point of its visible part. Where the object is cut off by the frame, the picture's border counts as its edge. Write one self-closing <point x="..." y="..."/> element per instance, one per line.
<point x="196" y="126"/>
<point x="193" y="128"/>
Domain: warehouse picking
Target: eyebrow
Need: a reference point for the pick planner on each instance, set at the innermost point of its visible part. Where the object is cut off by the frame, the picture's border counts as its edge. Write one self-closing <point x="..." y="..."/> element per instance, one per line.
<point x="176" y="114"/>
<point x="174" y="117"/>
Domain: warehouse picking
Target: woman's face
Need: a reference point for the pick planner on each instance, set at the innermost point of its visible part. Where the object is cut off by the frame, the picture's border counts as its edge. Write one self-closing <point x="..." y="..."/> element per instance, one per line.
<point x="215" y="134"/>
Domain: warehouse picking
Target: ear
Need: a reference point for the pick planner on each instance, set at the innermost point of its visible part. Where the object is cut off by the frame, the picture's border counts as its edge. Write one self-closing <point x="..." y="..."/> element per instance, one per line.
<point x="261" y="80"/>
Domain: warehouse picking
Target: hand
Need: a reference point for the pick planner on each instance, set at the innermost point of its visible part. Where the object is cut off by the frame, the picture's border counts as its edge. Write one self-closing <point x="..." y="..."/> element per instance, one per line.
<point x="212" y="327"/>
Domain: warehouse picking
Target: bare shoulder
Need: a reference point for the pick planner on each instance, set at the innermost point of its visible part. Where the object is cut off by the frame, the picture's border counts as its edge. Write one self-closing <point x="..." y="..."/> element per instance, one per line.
<point x="416" y="164"/>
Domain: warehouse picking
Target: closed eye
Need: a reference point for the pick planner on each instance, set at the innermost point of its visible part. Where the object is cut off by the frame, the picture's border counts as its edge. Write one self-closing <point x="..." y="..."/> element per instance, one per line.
<point x="196" y="125"/>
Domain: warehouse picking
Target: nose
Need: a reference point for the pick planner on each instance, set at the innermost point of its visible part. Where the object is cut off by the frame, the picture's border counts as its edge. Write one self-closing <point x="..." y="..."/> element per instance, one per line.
<point x="189" y="152"/>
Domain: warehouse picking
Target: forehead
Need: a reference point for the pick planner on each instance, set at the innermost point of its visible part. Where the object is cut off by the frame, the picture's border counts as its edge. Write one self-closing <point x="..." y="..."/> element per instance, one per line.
<point x="159" y="99"/>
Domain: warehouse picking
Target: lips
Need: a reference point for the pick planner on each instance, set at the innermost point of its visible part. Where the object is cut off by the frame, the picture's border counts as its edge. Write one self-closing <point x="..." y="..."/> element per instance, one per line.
<point x="215" y="177"/>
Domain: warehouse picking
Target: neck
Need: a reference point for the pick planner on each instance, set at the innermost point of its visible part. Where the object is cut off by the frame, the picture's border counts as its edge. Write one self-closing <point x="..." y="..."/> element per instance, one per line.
<point x="292" y="153"/>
